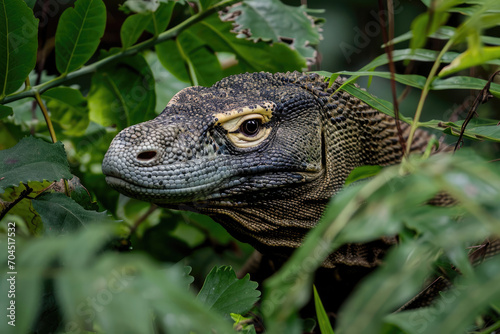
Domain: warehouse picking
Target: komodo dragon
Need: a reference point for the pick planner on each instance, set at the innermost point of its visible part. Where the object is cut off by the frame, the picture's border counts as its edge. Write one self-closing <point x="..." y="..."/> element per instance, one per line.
<point x="262" y="154"/>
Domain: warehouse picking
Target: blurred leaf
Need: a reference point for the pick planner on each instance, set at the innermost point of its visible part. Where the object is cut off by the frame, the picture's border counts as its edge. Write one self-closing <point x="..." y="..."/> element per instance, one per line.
<point x="226" y="294"/>
<point x="158" y="242"/>
<point x="362" y="172"/>
<point x="5" y="111"/>
<point x="141" y="6"/>
<point x="471" y="58"/>
<point x="68" y="108"/>
<point x="132" y="29"/>
<point x="205" y="4"/>
<point x="78" y="34"/>
<point x="61" y="215"/>
<point x="32" y="160"/>
<point x="273" y="21"/>
<point x="424" y="25"/>
<point x="122" y="94"/>
<point x="323" y="320"/>
<point x="19" y="40"/>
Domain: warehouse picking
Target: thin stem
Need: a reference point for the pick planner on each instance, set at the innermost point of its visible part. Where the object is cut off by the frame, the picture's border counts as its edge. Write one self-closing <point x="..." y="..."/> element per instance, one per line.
<point x="164" y="36"/>
<point x="423" y="96"/>
<point x="46" y="116"/>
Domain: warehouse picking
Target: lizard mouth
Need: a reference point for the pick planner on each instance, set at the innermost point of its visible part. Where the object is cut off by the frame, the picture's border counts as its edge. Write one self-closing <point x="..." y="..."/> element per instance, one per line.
<point x="216" y="191"/>
<point x="159" y="195"/>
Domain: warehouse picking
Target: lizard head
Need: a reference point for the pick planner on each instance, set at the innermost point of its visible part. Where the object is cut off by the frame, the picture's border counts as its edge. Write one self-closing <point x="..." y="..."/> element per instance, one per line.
<point x="245" y="134"/>
<point x="260" y="153"/>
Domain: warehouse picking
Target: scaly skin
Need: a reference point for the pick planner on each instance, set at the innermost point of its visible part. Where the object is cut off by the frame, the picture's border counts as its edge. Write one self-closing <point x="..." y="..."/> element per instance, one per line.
<point x="267" y="188"/>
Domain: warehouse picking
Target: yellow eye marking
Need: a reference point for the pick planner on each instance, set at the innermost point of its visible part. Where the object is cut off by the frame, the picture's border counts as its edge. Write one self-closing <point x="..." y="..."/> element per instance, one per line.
<point x="234" y="121"/>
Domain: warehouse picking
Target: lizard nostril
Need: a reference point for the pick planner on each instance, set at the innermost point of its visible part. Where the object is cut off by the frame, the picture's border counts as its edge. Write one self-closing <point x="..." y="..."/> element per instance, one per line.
<point x="146" y="155"/>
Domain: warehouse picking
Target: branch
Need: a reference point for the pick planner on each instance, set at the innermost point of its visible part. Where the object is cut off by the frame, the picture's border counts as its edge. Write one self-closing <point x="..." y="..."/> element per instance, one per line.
<point x="167" y="35"/>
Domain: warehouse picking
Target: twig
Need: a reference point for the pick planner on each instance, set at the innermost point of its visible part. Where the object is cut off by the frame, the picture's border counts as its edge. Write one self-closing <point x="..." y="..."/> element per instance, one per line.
<point x="22" y="196"/>
<point x="142" y="218"/>
<point x="388" y="50"/>
<point x="483" y="97"/>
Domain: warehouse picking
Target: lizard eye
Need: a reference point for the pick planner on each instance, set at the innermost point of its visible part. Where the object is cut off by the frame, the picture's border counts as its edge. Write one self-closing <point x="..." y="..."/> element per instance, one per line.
<point x="245" y="126"/>
<point x="251" y="127"/>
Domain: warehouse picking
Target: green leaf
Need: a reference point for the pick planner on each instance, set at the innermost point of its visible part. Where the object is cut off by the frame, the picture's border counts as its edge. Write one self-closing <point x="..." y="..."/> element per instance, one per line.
<point x="5" y="111"/>
<point x="274" y="21"/>
<point x="68" y="108"/>
<point x="323" y="321"/>
<point x="123" y="94"/>
<point x="161" y="18"/>
<point x="205" y="4"/>
<point x="418" y="81"/>
<point x="412" y="80"/>
<point x="78" y="34"/>
<point x="165" y="82"/>
<point x="19" y="40"/>
<point x="463" y="82"/>
<point x="62" y="215"/>
<point x="362" y="172"/>
<point x="470" y="58"/>
<point x="32" y="160"/>
<point x="387" y="289"/>
<point x="132" y="29"/>
<point x="426" y="24"/>
<point x="191" y="57"/>
<point x="379" y="104"/>
<point x="141" y="6"/>
<point x="226" y="294"/>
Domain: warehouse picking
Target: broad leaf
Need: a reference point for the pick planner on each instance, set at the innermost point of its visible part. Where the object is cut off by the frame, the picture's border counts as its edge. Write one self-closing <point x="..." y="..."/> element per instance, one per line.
<point x="122" y="94"/>
<point x="68" y="108"/>
<point x="78" y="34"/>
<point x="223" y="292"/>
<point x="32" y="160"/>
<point x="61" y="215"/>
<point x="5" y="111"/>
<point x="274" y="21"/>
<point x="165" y="82"/>
<point x="160" y="18"/>
<point x="19" y="41"/>
<point x="190" y="59"/>
<point x="132" y="28"/>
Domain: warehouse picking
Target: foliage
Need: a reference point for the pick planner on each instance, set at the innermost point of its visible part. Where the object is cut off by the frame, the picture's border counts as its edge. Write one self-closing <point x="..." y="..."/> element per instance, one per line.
<point x="88" y="259"/>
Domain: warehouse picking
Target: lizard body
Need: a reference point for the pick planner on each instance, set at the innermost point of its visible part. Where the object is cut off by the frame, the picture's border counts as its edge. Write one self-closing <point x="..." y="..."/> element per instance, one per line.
<point x="260" y="153"/>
